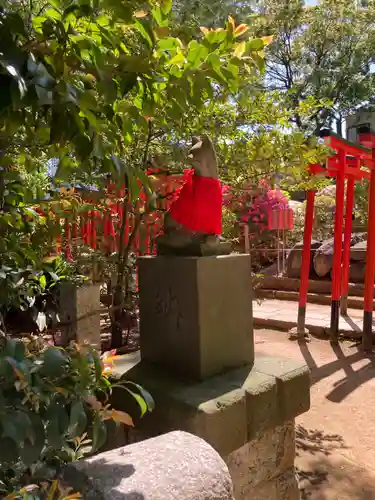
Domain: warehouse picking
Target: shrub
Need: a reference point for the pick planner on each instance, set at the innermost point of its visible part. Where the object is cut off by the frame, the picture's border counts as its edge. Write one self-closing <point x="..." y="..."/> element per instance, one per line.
<point x="51" y="490"/>
<point x="53" y="409"/>
<point x="324" y="216"/>
<point x="31" y="291"/>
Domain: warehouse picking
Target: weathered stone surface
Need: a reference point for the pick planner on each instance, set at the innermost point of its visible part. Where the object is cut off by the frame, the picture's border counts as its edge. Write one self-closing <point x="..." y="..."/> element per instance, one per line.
<point x="294" y="260"/>
<point x="189" y="247"/>
<point x="197" y="360"/>
<point x="196" y="313"/>
<point x="357" y="271"/>
<point x="248" y="401"/>
<point x="284" y="487"/>
<point x="262" y="460"/>
<point x="207" y="409"/>
<point x="287" y="486"/>
<point x="358" y="251"/>
<point x="262" y="403"/>
<point x="173" y="466"/>
<point x="293" y="384"/>
<point x="323" y="259"/>
<point x="79" y="308"/>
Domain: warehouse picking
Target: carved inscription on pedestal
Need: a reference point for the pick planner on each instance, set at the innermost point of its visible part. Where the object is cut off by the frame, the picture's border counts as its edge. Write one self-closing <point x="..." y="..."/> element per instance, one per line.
<point x="167" y="306"/>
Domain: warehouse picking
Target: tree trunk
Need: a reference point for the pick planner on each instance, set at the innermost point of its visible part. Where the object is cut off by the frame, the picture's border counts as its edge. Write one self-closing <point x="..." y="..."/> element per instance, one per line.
<point x="339" y="126"/>
<point x="118" y="297"/>
<point x="121" y="288"/>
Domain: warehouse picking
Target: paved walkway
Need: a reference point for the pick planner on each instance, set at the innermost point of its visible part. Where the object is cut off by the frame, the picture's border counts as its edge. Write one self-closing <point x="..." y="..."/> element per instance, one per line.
<point x="273" y="313"/>
<point x="336" y="438"/>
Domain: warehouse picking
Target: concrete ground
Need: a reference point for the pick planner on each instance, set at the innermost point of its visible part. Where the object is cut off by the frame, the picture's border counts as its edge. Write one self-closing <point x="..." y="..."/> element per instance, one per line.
<point x="336" y="438"/>
<point x="273" y="313"/>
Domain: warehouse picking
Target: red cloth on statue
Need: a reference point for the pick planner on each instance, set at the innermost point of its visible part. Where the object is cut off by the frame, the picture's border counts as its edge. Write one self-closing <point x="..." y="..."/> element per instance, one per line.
<point x="198" y="206"/>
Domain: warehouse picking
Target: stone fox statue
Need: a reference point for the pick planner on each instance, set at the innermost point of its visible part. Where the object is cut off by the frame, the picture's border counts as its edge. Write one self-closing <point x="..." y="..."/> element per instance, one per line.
<point x="193" y="224"/>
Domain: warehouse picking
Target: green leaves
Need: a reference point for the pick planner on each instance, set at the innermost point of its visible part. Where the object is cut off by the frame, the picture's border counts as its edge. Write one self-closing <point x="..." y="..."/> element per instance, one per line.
<point x="99" y="433"/>
<point x="255" y="45"/>
<point x="16" y="426"/>
<point x="166" y="6"/>
<point x="14" y="349"/>
<point x="50" y="413"/>
<point x="78" y="419"/>
<point x="55" y="362"/>
<point x="197" y="54"/>
<point x="57" y="425"/>
<point x="143" y="398"/>
<point x="145" y="30"/>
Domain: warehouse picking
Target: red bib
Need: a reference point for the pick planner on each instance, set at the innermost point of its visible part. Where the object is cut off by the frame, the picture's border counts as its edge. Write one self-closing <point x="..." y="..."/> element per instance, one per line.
<point x="198" y="205"/>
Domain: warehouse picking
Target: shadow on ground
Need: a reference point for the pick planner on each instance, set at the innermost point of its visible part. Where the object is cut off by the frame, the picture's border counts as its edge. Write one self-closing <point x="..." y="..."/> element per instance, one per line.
<point x="324" y="474"/>
<point x="352" y="378"/>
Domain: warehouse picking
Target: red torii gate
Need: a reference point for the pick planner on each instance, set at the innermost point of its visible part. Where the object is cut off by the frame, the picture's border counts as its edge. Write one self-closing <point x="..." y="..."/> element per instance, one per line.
<point x="346" y="165"/>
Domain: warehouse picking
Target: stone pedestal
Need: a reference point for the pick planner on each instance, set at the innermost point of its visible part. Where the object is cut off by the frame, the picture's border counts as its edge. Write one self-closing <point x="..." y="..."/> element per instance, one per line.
<point x="197" y="361"/>
<point x="79" y="310"/>
<point x="196" y="314"/>
<point x="246" y="414"/>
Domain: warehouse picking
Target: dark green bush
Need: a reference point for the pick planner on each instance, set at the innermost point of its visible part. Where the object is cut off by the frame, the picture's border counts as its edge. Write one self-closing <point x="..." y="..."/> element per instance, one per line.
<point x="53" y="408"/>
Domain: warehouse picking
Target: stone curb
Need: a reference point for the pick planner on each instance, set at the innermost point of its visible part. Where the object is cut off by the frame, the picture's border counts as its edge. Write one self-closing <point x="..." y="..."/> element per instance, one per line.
<point x="313" y="329"/>
<point x="312" y="298"/>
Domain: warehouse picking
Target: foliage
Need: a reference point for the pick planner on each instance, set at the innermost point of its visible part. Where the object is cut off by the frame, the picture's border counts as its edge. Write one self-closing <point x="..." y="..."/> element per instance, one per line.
<point x="230" y="231"/>
<point x="253" y="204"/>
<point x="361" y="201"/>
<point x="46" y="491"/>
<point x="54" y="405"/>
<point x="21" y="229"/>
<point x="296" y="236"/>
<point x="254" y="141"/>
<point x="117" y="75"/>
<point x="105" y="71"/>
<point x="324" y="216"/>
<point x="34" y="292"/>
<point x="211" y="13"/>
<point x="322" y="51"/>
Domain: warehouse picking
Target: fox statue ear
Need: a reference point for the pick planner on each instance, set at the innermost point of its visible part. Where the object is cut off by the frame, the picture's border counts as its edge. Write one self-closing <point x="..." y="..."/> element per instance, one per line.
<point x="205" y="139"/>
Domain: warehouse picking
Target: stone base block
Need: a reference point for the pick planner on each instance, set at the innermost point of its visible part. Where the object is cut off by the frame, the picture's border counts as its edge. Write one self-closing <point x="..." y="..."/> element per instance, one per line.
<point x="80" y="312"/>
<point x="228" y="410"/>
<point x="196" y="314"/>
<point x="246" y="414"/>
